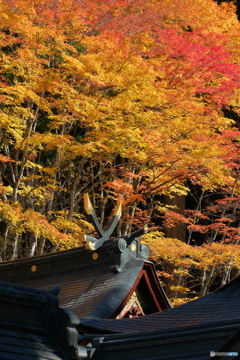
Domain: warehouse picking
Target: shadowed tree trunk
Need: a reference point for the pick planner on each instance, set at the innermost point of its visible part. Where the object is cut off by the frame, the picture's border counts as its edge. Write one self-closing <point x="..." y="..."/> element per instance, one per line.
<point x="179" y="230"/>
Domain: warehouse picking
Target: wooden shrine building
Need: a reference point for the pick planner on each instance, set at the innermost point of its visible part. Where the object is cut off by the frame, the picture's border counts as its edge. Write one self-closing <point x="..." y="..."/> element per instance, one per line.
<point x="103" y="301"/>
<point x="108" y="278"/>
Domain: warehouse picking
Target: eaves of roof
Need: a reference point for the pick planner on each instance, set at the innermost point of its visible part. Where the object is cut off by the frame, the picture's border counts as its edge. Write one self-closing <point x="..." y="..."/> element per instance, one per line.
<point x="189" y="345"/>
<point x="219" y="307"/>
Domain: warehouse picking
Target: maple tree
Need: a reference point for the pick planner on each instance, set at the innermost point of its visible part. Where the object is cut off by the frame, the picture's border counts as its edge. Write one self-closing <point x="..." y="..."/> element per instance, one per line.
<point x="125" y="100"/>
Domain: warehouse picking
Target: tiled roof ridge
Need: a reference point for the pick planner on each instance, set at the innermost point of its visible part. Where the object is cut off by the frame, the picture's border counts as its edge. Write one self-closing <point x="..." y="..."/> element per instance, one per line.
<point x="80" y="250"/>
<point x="117" y="288"/>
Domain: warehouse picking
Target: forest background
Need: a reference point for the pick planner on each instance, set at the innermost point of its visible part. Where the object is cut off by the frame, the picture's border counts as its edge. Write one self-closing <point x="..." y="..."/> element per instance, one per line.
<point x="127" y="100"/>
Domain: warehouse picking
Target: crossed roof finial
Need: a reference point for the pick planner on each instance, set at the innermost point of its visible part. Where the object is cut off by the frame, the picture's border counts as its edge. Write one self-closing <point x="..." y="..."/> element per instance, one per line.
<point x="95" y="243"/>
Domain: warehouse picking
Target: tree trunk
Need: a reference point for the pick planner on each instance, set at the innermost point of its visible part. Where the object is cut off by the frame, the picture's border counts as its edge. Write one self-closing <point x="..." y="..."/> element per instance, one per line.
<point x="179" y="230"/>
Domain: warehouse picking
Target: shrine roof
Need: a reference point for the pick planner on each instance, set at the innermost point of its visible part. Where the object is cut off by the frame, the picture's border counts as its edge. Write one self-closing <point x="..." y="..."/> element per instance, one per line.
<point x="28" y="344"/>
<point x="98" y="279"/>
<point x="88" y="286"/>
<point x="23" y="324"/>
<point x="220" y="308"/>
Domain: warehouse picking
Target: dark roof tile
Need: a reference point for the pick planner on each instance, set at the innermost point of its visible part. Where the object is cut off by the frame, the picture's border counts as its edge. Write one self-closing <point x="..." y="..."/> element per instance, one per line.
<point x="24" y="345"/>
<point x="24" y="318"/>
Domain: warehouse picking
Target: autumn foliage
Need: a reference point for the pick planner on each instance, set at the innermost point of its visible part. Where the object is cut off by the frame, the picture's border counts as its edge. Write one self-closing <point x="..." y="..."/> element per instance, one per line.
<point x="128" y="100"/>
